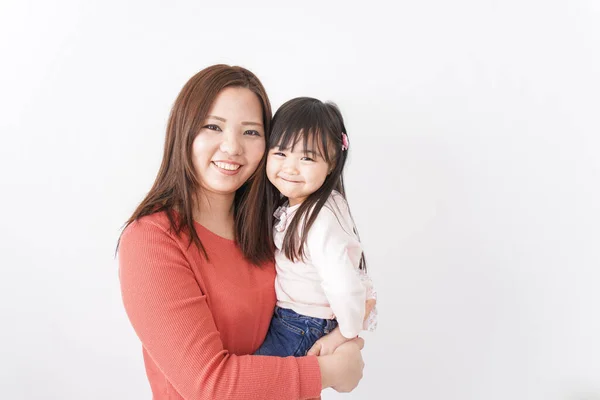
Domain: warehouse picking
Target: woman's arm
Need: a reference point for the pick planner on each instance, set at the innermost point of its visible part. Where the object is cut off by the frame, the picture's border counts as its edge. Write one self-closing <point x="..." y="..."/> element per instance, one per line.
<point x="171" y="317"/>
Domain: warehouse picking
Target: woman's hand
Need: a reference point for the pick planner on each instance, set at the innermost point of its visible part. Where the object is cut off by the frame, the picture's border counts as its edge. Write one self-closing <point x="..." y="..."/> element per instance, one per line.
<point x="343" y="369"/>
<point x="328" y="343"/>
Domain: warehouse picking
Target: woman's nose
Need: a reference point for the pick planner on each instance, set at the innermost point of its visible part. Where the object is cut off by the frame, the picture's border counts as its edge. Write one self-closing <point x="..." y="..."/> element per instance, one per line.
<point x="231" y="144"/>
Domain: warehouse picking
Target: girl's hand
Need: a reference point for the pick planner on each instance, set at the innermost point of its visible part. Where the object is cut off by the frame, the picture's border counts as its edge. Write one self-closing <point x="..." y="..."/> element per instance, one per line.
<point x="343" y="369"/>
<point x="328" y="343"/>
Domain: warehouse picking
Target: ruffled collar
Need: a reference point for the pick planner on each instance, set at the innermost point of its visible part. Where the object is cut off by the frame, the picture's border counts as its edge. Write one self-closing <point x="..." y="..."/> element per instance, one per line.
<point x="284" y="214"/>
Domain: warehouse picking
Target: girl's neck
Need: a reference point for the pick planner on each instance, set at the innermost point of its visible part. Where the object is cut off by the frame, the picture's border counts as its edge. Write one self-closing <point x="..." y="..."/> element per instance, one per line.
<point x="295" y="202"/>
<point x="215" y="213"/>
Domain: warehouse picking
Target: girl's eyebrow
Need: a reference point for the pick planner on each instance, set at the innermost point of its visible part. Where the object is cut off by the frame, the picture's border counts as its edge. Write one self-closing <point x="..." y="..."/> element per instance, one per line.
<point x="243" y="122"/>
<point x="308" y="151"/>
<point x="311" y="152"/>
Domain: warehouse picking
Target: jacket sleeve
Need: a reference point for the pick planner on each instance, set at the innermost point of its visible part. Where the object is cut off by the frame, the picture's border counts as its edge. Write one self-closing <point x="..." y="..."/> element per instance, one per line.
<point x="335" y="253"/>
<point x="171" y="317"/>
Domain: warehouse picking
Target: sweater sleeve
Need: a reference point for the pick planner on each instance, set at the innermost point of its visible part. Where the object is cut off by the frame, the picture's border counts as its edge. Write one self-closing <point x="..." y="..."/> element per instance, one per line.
<point x="335" y="253"/>
<point x="171" y="317"/>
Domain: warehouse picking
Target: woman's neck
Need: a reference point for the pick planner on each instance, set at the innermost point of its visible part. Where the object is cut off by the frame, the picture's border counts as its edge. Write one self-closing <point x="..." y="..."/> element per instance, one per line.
<point x="215" y="213"/>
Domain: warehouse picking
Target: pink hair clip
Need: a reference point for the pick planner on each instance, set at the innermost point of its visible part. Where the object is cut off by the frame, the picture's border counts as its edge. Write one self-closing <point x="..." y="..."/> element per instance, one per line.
<point x="344" y="141"/>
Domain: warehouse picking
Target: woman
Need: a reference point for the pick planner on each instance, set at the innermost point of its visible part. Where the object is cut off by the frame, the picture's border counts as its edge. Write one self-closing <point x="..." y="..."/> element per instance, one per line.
<point x="196" y="256"/>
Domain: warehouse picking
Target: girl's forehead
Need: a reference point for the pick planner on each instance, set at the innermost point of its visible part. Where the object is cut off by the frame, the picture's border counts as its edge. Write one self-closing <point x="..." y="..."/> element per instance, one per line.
<point x="299" y="138"/>
<point x="298" y="145"/>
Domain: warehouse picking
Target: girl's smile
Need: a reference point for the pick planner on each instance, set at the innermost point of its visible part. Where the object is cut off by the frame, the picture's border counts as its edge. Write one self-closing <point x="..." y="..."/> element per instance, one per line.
<point x="296" y="173"/>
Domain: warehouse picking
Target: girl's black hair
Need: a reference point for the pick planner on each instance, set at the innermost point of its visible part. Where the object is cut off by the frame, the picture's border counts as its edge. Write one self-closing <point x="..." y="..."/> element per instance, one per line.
<point x="319" y="127"/>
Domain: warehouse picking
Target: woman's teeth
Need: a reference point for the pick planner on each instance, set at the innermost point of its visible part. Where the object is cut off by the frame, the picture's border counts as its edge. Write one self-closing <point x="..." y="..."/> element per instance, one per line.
<point x="227" y="166"/>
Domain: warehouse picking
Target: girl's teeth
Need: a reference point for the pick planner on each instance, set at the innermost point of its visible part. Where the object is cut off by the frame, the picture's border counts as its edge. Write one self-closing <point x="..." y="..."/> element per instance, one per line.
<point x="229" y="167"/>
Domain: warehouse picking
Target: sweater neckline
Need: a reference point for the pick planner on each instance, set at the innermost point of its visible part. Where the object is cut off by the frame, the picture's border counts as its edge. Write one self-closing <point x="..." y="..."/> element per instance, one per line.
<point x="211" y="233"/>
<point x="208" y="231"/>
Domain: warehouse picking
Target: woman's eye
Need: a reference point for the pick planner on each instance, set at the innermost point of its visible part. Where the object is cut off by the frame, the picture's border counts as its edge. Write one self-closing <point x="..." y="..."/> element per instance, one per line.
<point x="279" y="154"/>
<point x="252" y="133"/>
<point x="213" y="127"/>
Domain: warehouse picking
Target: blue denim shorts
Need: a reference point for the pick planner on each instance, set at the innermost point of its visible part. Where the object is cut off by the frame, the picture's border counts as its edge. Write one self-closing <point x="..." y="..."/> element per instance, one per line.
<point x="292" y="334"/>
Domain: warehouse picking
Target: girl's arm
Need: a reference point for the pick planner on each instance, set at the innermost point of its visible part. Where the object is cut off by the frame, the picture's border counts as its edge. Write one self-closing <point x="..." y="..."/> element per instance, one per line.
<point x="171" y="317"/>
<point x="335" y="253"/>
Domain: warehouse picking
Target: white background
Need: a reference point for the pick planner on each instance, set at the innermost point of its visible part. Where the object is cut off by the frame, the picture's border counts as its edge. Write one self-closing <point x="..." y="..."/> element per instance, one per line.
<point x="474" y="179"/>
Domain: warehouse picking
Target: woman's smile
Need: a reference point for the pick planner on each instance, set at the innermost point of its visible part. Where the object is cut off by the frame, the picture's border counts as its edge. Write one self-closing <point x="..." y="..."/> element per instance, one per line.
<point x="227" y="167"/>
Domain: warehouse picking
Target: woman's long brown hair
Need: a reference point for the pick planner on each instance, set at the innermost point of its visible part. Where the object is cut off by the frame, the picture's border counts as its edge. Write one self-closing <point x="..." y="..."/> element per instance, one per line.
<point x="176" y="186"/>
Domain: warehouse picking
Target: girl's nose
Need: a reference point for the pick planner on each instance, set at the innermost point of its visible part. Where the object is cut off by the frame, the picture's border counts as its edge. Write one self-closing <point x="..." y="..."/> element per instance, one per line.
<point x="231" y="144"/>
<point x="289" y="167"/>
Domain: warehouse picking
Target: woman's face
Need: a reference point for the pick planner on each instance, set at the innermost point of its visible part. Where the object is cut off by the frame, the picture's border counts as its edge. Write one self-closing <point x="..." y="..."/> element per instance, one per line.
<point x="231" y="142"/>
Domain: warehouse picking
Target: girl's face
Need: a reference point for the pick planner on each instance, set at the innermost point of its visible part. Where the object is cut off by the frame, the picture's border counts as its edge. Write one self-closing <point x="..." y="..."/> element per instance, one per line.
<point x="296" y="174"/>
<point x="231" y="143"/>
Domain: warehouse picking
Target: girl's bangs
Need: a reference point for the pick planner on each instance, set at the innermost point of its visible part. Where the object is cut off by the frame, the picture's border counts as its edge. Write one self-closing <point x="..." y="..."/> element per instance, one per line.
<point x="311" y="133"/>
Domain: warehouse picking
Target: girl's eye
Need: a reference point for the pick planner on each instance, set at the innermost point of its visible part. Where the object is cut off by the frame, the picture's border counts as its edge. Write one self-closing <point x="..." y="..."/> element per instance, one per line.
<point x="279" y="154"/>
<point x="213" y="127"/>
<point x="252" y="133"/>
<point x="307" y="159"/>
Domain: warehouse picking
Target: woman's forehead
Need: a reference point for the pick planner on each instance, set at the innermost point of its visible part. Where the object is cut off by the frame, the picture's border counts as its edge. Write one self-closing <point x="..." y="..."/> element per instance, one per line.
<point x="238" y="105"/>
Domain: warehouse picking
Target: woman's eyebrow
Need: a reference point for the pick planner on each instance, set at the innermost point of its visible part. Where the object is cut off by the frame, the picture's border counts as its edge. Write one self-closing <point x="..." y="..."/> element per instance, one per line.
<point x="243" y="122"/>
<point x="251" y="123"/>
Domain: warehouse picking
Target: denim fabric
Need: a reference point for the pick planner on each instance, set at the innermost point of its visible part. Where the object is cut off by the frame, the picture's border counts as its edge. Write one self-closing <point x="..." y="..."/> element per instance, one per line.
<point x="292" y="334"/>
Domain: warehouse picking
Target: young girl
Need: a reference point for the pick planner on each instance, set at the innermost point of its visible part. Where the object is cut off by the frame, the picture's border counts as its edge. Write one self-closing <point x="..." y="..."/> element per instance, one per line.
<point x="321" y="278"/>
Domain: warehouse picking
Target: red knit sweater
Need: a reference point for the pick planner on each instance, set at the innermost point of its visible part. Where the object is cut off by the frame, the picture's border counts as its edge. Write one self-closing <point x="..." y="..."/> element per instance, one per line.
<point x="198" y="321"/>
